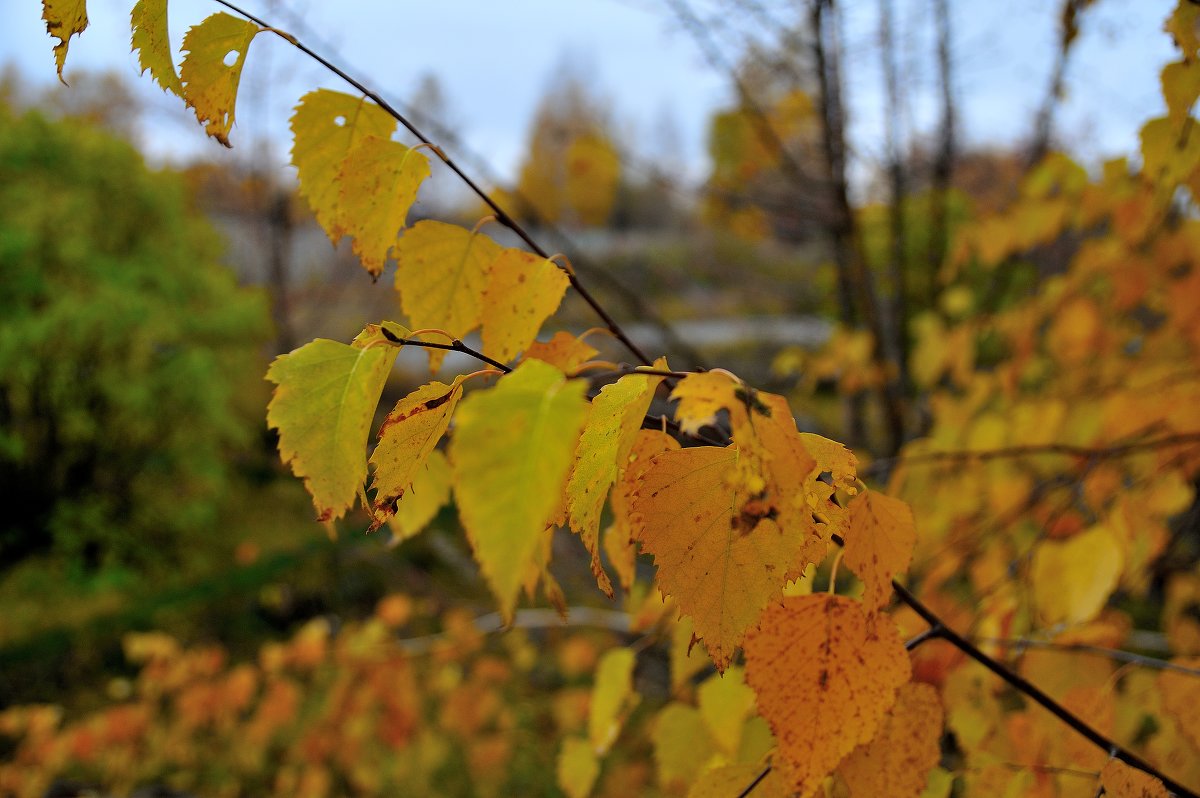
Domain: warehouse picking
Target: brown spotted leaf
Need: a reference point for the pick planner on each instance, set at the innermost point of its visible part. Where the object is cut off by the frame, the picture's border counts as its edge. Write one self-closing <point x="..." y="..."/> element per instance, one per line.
<point x="897" y="761"/>
<point x="825" y="674"/>
<point x="64" y="19"/>
<point x="214" y="54"/>
<point x="879" y="544"/>
<point x="523" y="290"/>
<point x="1122" y="781"/>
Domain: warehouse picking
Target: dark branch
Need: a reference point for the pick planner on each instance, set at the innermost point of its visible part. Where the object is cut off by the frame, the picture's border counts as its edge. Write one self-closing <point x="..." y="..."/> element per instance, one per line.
<point x="501" y="215"/>
<point x="454" y="346"/>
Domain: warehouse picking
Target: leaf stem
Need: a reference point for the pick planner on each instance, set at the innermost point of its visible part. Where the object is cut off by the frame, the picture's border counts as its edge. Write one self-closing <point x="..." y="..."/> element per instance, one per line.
<point x="501" y="215"/>
<point x="454" y="346"/>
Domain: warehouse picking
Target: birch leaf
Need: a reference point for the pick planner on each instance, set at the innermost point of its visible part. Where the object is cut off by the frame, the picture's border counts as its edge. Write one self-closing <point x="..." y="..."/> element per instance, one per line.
<point x="879" y="544"/>
<point x="64" y="19"/>
<point x="210" y="82"/>
<point x="377" y="184"/>
<point x="897" y="761"/>
<point x="148" y="21"/>
<point x="429" y="493"/>
<point x="523" y="290"/>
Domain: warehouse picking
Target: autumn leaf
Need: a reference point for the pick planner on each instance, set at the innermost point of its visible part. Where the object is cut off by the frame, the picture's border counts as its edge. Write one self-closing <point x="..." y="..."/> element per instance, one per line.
<point x="646" y="444"/>
<point x="510" y="453"/>
<point x="722" y="563"/>
<point x="577" y="767"/>
<point x="563" y="351"/>
<point x="148" y="21"/>
<point x="897" y="761"/>
<point x="700" y="397"/>
<point x="377" y="184"/>
<point x="441" y="273"/>
<point x="613" y="422"/>
<point x="725" y="701"/>
<point x="326" y="125"/>
<point x="523" y="290"/>
<point x="879" y="544"/>
<point x="210" y="83"/>
<point x="429" y="493"/>
<point x="1073" y="578"/>
<point x="612" y="698"/>
<point x="1180" y="693"/>
<point x="406" y="439"/>
<point x="682" y="745"/>
<point x="324" y="401"/>
<point x="1122" y="781"/>
<point x="825" y="675"/>
<point x="64" y="19"/>
<point x="731" y="780"/>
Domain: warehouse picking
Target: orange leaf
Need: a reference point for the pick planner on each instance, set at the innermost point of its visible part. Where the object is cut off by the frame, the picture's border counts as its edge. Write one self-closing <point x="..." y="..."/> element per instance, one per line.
<point x="879" y="544"/>
<point x="825" y="674"/>
<point x="1122" y="781"/>
<point x="701" y="397"/>
<point x="896" y="763"/>
<point x="563" y="350"/>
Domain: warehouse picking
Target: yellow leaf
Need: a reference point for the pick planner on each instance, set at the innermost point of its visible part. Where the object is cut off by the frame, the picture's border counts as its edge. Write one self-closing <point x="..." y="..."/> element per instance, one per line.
<point x="701" y="397"/>
<point x="731" y="780"/>
<point x="825" y="675"/>
<point x="430" y="492"/>
<point x="377" y="184"/>
<point x="510" y="454"/>
<point x="593" y="172"/>
<point x="324" y="401"/>
<point x="879" y="544"/>
<point x="64" y="19"/>
<point x="326" y="126"/>
<point x="210" y="82"/>
<point x="1180" y="87"/>
<point x="441" y="273"/>
<point x="1168" y="156"/>
<point x="563" y="350"/>
<point x="612" y="697"/>
<point x="897" y="761"/>
<point x="577" y="767"/>
<point x="1182" y="25"/>
<point x="1073" y="578"/>
<point x="613" y="422"/>
<point x="148" y="21"/>
<point x="1122" y="781"/>
<point x="622" y="553"/>
<point x="1075" y="332"/>
<point x="721" y="561"/>
<point x="682" y="745"/>
<point x="1181" y="694"/>
<point x="685" y="659"/>
<point x="726" y="701"/>
<point x="406" y="439"/>
<point x="523" y="290"/>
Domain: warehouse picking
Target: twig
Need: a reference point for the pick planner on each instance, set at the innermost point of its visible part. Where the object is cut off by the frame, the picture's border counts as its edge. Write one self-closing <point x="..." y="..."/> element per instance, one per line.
<point x="502" y="216"/>
<point x="757" y="780"/>
<point x="454" y="346"/>
<point x="1120" y="655"/>
<point x="1035" y="694"/>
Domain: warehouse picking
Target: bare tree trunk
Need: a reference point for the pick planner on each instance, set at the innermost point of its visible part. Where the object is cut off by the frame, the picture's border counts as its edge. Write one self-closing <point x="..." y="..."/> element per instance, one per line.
<point x="898" y="189"/>
<point x="856" y="289"/>
<point x="1043" y="127"/>
<point x="943" y="162"/>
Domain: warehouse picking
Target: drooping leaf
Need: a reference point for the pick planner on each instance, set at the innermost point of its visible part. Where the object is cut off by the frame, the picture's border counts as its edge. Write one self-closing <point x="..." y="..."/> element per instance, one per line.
<point x="1122" y="781"/>
<point x="326" y="125"/>
<point x="64" y="19"/>
<point x="377" y="184"/>
<point x="441" y="273"/>
<point x="210" y="81"/>
<point x="722" y="562"/>
<point x="1073" y="578"/>
<point x="324" y="400"/>
<point x="682" y="745"/>
<point x="510" y="453"/>
<point x="577" y="767"/>
<point x="523" y="290"/>
<point x="701" y="397"/>
<point x="1181" y="693"/>
<point x="563" y="350"/>
<point x="825" y="675"/>
<point x="897" y="761"/>
<point x="148" y="21"/>
<point x="612" y="697"/>
<point x="725" y="701"/>
<point x="879" y="544"/>
<point x="731" y="780"/>
<point x="613" y="422"/>
<point x="430" y="492"/>
<point x="646" y="444"/>
<point x="407" y="437"/>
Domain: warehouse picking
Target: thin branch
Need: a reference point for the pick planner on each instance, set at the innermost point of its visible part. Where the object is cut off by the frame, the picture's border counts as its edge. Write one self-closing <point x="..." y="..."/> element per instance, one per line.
<point x="502" y="216"/>
<point x="1035" y="694"/>
<point x="1118" y="654"/>
<point x="454" y="346"/>
<point x="757" y="780"/>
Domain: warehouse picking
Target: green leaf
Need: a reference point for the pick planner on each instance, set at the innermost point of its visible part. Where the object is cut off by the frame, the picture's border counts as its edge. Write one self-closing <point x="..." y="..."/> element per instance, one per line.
<point x="324" y="401"/>
<point x="148" y="21"/>
<point x="326" y="125"/>
<point x="210" y="85"/>
<point x="510" y="454"/>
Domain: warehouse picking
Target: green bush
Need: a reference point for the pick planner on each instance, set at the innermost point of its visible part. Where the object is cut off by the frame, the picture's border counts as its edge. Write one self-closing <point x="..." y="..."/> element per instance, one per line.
<point x="121" y="342"/>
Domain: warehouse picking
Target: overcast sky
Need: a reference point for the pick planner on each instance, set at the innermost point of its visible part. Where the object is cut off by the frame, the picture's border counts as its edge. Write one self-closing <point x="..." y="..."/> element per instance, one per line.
<point x="495" y="60"/>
